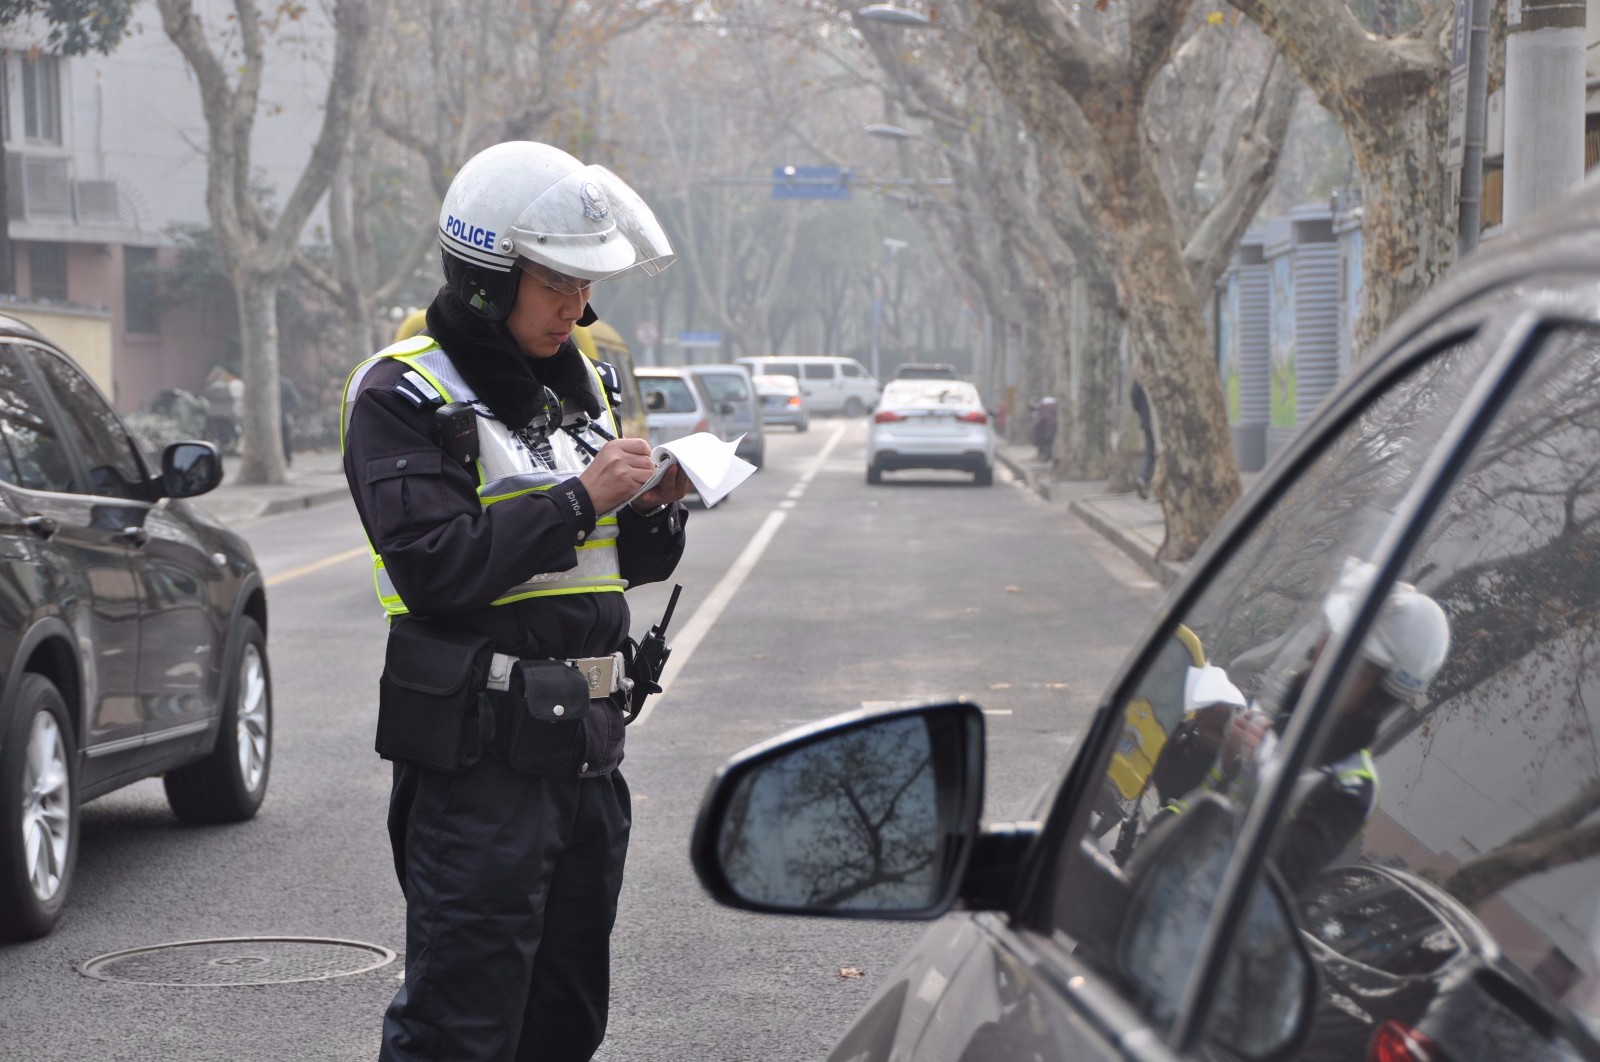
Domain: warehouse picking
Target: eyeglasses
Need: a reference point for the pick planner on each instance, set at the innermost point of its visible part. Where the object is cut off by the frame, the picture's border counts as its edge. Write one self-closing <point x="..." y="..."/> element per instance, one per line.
<point x="557" y="282"/>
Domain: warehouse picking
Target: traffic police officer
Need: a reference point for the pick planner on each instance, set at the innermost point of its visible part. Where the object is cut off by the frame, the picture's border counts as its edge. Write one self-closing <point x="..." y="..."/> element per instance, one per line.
<point x="504" y="522"/>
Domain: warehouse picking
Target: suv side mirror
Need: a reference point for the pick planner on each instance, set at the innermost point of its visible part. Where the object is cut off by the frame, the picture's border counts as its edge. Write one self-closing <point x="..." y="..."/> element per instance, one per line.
<point x="726" y="409"/>
<point x="872" y="814"/>
<point x="190" y="468"/>
<point x="655" y="401"/>
<point x="1263" y="1003"/>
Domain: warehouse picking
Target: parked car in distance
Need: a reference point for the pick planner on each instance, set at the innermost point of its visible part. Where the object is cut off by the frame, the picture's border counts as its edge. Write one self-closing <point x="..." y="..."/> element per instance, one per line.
<point x="781" y="402"/>
<point x="736" y="408"/>
<point x="675" y="404"/>
<point x="828" y="384"/>
<point x="132" y="629"/>
<point x="930" y="424"/>
<point x="1391" y="857"/>
<point x="926" y="370"/>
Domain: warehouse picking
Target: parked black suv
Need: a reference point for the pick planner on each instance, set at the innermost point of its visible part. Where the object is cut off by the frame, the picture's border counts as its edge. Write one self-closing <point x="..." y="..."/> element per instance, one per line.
<point x="132" y="629"/>
<point x="1392" y="853"/>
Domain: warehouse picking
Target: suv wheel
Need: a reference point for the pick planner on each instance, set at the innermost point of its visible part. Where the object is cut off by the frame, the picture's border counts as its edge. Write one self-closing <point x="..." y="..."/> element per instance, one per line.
<point x="983" y="477"/>
<point x="853" y="407"/>
<point x="229" y="784"/>
<point x="38" y="811"/>
<point x="874" y="474"/>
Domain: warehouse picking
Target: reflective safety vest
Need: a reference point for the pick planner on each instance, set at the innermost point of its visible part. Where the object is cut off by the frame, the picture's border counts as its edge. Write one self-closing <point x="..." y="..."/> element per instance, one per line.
<point x="505" y="469"/>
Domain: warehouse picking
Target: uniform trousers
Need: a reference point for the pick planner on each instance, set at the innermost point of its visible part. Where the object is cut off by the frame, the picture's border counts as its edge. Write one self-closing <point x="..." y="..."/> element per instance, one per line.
<point x="511" y="886"/>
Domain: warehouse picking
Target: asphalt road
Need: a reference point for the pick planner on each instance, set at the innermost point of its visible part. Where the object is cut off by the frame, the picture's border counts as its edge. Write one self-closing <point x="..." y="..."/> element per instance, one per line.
<point x="806" y="593"/>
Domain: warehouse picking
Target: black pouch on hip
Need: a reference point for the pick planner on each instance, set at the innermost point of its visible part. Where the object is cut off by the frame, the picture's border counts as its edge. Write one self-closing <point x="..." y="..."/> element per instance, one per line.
<point x="428" y="697"/>
<point x="548" y="701"/>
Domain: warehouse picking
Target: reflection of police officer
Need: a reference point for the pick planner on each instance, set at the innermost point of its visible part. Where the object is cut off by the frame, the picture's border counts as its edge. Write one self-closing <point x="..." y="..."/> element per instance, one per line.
<point x="509" y="849"/>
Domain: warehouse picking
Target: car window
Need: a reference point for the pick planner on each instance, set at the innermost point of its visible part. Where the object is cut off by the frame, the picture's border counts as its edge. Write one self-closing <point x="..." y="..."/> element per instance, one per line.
<point x="107" y="449"/>
<point x="1241" y="641"/>
<point x="1483" y="733"/>
<point x="780" y="368"/>
<point x="725" y="386"/>
<point x="35" y="456"/>
<point x="852" y="370"/>
<point x="818" y="372"/>
<point x="676" y="390"/>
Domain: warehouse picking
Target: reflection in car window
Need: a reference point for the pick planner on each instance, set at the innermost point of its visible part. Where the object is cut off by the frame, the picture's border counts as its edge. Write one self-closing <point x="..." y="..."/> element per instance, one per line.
<point x="107" y="449"/>
<point x="676" y="390"/>
<point x="1487" y="799"/>
<point x="725" y="386"/>
<point x="1245" y="641"/>
<point x="34" y="456"/>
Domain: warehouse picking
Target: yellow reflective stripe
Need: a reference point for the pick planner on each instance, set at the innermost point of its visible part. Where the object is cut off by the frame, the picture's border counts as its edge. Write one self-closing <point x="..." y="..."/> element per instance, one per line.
<point x="617" y="588"/>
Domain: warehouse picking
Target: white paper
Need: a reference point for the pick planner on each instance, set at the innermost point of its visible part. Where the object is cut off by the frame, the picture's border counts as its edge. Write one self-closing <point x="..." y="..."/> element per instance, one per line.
<point x="711" y="465"/>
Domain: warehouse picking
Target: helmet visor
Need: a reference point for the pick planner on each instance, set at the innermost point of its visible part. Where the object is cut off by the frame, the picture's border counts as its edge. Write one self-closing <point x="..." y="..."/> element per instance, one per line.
<point x="591" y="225"/>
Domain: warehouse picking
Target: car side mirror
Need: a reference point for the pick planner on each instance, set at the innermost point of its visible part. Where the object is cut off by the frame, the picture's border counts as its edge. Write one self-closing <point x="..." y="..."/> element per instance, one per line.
<point x="655" y="401"/>
<point x="872" y="814"/>
<point x="1263" y="1002"/>
<point x="190" y="468"/>
<point x="726" y="409"/>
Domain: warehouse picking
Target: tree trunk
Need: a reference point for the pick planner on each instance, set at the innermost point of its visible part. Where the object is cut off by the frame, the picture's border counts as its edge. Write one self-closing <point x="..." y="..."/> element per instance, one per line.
<point x="1197" y="474"/>
<point x="256" y="295"/>
<point x="1084" y="450"/>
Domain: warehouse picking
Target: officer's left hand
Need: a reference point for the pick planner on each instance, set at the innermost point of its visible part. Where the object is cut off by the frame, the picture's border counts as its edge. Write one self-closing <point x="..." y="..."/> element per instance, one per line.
<point x="673" y="486"/>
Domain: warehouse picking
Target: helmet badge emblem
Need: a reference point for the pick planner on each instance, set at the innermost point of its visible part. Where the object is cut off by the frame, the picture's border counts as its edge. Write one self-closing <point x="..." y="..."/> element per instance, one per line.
<point x="594" y="202"/>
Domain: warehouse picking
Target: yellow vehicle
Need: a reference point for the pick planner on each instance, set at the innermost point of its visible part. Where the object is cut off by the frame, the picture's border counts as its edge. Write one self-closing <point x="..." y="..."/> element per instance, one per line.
<point x="600" y="342"/>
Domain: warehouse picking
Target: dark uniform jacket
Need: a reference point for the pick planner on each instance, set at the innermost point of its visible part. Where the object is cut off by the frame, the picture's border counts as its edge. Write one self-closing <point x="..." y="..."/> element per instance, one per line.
<point x="449" y="557"/>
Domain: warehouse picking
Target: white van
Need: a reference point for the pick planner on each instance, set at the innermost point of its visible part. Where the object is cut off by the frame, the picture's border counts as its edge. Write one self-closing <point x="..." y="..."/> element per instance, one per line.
<point x="830" y="385"/>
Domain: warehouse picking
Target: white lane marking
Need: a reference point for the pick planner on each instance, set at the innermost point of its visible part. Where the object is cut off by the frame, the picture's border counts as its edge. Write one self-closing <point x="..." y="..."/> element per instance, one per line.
<point x="710" y="610"/>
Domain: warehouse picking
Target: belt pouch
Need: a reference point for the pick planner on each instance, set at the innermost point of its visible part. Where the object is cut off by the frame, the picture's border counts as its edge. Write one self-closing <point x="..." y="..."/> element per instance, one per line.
<point x="548" y="701"/>
<point x="428" y="696"/>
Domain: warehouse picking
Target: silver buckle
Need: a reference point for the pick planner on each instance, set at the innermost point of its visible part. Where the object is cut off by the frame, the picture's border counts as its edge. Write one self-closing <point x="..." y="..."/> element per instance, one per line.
<point x="500" y="671"/>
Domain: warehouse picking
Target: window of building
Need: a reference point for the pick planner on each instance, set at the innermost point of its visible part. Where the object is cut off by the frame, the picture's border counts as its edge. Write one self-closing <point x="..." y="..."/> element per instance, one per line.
<point x="142" y="311"/>
<point x="47" y="268"/>
<point x="41" y="98"/>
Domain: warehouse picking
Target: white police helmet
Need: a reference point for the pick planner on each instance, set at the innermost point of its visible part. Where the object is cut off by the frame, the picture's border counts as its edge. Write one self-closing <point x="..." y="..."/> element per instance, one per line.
<point x="532" y="206"/>
<point x="1410" y="638"/>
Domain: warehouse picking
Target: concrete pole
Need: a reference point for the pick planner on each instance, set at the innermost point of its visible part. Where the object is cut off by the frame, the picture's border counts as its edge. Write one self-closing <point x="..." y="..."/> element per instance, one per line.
<point x="1471" y="216"/>
<point x="1544" y="102"/>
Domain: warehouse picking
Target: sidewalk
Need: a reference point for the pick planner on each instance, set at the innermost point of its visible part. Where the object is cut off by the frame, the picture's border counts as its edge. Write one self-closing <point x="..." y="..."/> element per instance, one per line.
<point x="315" y="478"/>
<point x="1136" y="527"/>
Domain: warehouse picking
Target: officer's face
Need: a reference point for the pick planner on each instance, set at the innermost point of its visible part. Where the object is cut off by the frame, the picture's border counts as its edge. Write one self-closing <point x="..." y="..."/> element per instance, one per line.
<point x="542" y="318"/>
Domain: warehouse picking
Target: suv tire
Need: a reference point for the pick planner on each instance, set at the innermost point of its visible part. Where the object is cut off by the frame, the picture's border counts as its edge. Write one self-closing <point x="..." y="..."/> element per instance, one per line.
<point x="38" y="804"/>
<point x="853" y="407"/>
<point x="229" y="784"/>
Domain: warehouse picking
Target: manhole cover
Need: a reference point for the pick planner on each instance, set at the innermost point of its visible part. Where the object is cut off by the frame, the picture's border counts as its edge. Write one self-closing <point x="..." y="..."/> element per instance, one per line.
<point x="239" y="961"/>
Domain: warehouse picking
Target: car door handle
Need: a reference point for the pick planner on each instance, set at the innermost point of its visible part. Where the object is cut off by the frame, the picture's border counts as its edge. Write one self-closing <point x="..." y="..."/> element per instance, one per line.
<point x="43" y="526"/>
<point x="136" y="536"/>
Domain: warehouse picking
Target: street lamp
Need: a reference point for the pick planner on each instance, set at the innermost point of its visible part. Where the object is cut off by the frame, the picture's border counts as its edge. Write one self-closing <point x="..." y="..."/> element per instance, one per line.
<point x="895" y="132"/>
<point x="890" y="15"/>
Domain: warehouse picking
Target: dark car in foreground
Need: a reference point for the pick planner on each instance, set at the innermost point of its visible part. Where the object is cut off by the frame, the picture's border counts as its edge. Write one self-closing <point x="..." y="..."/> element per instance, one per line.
<point x="132" y="629"/>
<point x="1462" y="459"/>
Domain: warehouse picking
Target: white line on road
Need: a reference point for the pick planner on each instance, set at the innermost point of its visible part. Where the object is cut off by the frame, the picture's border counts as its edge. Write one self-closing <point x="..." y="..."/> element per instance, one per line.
<point x="710" y="610"/>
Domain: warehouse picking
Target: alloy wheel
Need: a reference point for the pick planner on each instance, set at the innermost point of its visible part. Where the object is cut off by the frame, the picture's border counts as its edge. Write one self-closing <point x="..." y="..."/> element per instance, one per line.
<point x="250" y="729"/>
<point x="46" y="807"/>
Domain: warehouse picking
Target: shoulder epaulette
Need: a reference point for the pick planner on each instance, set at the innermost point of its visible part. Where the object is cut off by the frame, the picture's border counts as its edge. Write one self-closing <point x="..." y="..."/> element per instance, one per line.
<point x="415" y="388"/>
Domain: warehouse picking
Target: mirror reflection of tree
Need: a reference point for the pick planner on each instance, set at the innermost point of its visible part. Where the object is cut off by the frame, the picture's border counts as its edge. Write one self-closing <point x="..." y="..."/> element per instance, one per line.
<point x="1514" y="558"/>
<point x="856" y="822"/>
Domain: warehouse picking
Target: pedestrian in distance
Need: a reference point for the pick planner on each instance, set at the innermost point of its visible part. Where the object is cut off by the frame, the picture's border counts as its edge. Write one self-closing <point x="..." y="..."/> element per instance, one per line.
<point x="505" y="520"/>
<point x="1147" y="468"/>
<point x="288" y="403"/>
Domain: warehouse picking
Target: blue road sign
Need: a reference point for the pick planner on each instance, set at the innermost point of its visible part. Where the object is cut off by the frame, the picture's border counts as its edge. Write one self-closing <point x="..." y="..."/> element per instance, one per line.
<point x="810" y="182"/>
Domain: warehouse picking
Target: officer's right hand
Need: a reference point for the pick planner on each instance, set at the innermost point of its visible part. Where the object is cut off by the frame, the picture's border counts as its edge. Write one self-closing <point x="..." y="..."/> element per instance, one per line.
<point x="621" y="467"/>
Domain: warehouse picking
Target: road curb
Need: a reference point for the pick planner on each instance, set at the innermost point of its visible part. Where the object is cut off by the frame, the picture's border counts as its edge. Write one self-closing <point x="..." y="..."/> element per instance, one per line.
<point x="1164" y="572"/>
<point x="1139" y="550"/>
<point x="303" y="501"/>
